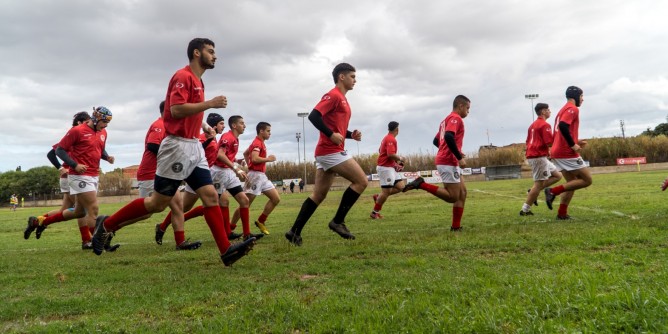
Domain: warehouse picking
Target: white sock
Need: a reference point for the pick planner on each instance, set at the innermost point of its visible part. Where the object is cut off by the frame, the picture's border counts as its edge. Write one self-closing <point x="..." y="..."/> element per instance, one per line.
<point x="526" y="207"/>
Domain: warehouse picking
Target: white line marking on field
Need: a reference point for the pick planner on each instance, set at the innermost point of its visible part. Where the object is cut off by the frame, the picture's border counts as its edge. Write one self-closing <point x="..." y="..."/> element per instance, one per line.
<point x="612" y="212"/>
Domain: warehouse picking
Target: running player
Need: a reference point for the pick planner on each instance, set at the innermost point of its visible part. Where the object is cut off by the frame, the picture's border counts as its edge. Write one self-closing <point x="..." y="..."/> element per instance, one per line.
<point x="539" y="140"/>
<point x="331" y="116"/>
<point x="565" y="153"/>
<point x="389" y="164"/>
<point x="257" y="182"/>
<point x="181" y="156"/>
<point x="81" y="149"/>
<point x="449" y="159"/>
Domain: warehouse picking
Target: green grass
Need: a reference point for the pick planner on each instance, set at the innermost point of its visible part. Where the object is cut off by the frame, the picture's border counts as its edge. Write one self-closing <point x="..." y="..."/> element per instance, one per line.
<point x="604" y="272"/>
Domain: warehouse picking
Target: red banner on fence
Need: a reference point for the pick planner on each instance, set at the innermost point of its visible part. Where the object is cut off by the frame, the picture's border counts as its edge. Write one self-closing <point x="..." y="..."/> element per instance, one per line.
<point x="631" y="161"/>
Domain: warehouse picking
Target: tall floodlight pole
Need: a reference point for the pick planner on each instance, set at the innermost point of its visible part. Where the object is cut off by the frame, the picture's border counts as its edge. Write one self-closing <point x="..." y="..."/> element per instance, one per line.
<point x="304" y="115"/>
<point x="532" y="97"/>
<point x="298" y="135"/>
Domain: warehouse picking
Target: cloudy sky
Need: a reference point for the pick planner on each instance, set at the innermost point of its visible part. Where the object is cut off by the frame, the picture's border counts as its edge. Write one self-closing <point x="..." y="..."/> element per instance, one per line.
<point x="275" y="60"/>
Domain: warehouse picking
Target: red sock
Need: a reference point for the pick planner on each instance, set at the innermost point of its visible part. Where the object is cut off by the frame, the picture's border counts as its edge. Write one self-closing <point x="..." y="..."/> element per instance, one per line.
<point x="262" y="218"/>
<point x="377" y="207"/>
<point x="245" y="213"/>
<point x="91" y="229"/>
<point x="430" y="188"/>
<point x="132" y="210"/>
<point x="457" y="214"/>
<point x="563" y="210"/>
<point x="166" y="222"/>
<point x="58" y="217"/>
<point x="85" y="234"/>
<point x="214" y="219"/>
<point x="179" y="237"/>
<point x="225" y="212"/>
<point x="557" y="190"/>
<point x="195" y="212"/>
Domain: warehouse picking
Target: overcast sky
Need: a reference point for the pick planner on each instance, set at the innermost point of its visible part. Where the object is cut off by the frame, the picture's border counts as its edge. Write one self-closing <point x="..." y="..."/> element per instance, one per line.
<point x="275" y="60"/>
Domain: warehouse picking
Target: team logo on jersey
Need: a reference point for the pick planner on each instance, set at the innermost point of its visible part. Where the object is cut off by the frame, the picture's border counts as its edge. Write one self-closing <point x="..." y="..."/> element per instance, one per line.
<point x="456" y="175"/>
<point x="326" y="97"/>
<point x="177" y="167"/>
<point x="179" y="85"/>
<point x="82" y="184"/>
<point x="580" y="162"/>
<point x="158" y="130"/>
<point x="103" y="137"/>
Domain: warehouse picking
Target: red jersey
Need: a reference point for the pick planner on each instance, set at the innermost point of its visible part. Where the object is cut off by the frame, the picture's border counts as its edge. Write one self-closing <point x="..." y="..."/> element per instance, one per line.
<point x="336" y="115"/>
<point x="388" y="146"/>
<point x="230" y="144"/>
<point x="64" y="164"/>
<point x="211" y="150"/>
<point x="184" y="87"/>
<point x="257" y="146"/>
<point x="149" y="161"/>
<point x="452" y="123"/>
<point x="569" y="114"/>
<point x="85" y="146"/>
<point x="539" y="139"/>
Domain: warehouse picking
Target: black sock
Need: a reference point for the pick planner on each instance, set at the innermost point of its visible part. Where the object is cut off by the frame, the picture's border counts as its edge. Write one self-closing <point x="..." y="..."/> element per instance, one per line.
<point x="347" y="201"/>
<point x="307" y="210"/>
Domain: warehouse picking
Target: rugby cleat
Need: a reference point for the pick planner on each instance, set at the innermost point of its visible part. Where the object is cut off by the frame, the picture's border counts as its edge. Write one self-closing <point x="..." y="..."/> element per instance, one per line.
<point x="108" y="247"/>
<point x="256" y="236"/>
<point x="549" y="198"/>
<point x="86" y="245"/>
<point x="294" y="239"/>
<point x="100" y="235"/>
<point x="415" y="184"/>
<point x="341" y="230"/>
<point x="234" y="236"/>
<point x="187" y="245"/>
<point x="376" y="215"/>
<point x="32" y="225"/>
<point x="528" y="213"/>
<point x="158" y="234"/>
<point x="564" y="217"/>
<point x="39" y="229"/>
<point x="262" y="227"/>
<point x="456" y="229"/>
<point x="237" y="251"/>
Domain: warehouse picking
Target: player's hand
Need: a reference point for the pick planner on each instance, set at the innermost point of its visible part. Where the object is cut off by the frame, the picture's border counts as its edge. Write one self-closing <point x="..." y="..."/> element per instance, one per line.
<point x="218" y="102"/>
<point x="271" y="158"/>
<point x="582" y="143"/>
<point x="357" y="135"/>
<point x="62" y="171"/>
<point x="462" y="162"/>
<point x="111" y="159"/>
<point x="80" y="168"/>
<point x="240" y="174"/>
<point x="576" y="148"/>
<point x="336" y="138"/>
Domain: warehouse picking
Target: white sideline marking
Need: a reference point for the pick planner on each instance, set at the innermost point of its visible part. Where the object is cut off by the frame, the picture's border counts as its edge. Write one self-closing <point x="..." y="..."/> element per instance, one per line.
<point x="612" y="212"/>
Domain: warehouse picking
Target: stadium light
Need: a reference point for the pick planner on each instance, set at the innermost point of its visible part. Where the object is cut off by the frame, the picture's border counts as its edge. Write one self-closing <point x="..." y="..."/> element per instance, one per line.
<point x="303" y="115"/>
<point x="532" y="97"/>
<point x="298" y="135"/>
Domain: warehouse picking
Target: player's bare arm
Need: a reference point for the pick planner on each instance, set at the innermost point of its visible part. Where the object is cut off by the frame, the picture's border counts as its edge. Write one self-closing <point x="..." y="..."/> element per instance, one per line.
<point x="189" y="109"/>
<point x="224" y="159"/>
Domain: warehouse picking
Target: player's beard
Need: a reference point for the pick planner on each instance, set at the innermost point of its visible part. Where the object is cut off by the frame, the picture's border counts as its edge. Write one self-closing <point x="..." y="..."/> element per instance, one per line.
<point x="206" y="64"/>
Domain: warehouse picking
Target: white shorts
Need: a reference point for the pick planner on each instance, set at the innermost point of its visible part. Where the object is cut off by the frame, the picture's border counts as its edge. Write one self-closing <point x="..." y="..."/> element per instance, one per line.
<point x="542" y="168"/>
<point x="449" y="174"/>
<point x="145" y="188"/>
<point x="224" y="178"/>
<point x="257" y="183"/>
<point x="64" y="185"/>
<point x="569" y="164"/>
<point x="82" y="184"/>
<point x="328" y="161"/>
<point x="178" y="157"/>
<point x="387" y="176"/>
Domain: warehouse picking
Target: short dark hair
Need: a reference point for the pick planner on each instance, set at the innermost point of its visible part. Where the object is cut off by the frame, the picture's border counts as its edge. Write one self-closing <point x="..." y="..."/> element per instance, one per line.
<point x="261" y="126"/>
<point x="81" y="116"/>
<point x="343" y="68"/>
<point x="233" y="120"/>
<point x="162" y="107"/>
<point x="392" y="126"/>
<point x="198" y="44"/>
<point x="539" y="108"/>
<point x="460" y="100"/>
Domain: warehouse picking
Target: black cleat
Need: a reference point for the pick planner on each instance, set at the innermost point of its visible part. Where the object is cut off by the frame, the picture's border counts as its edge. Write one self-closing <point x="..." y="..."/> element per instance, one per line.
<point x="341" y="230"/>
<point x="108" y="247"/>
<point x="294" y="239"/>
<point x="535" y="202"/>
<point x="159" y="234"/>
<point x="39" y="230"/>
<point x="566" y="217"/>
<point x="100" y="235"/>
<point x="528" y="213"/>
<point x="456" y="229"/>
<point x="256" y="236"/>
<point x="86" y="245"/>
<point x="549" y="198"/>
<point x="237" y="251"/>
<point x="234" y="236"/>
<point x="32" y="225"/>
<point x="415" y="184"/>
<point x="187" y="245"/>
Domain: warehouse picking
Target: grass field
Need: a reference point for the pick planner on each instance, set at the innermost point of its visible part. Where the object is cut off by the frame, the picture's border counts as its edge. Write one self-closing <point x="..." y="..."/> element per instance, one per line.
<point x="603" y="272"/>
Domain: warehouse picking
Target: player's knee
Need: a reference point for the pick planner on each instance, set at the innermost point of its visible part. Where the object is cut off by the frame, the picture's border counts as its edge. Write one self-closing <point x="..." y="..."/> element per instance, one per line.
<point x="275" y="201"/>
